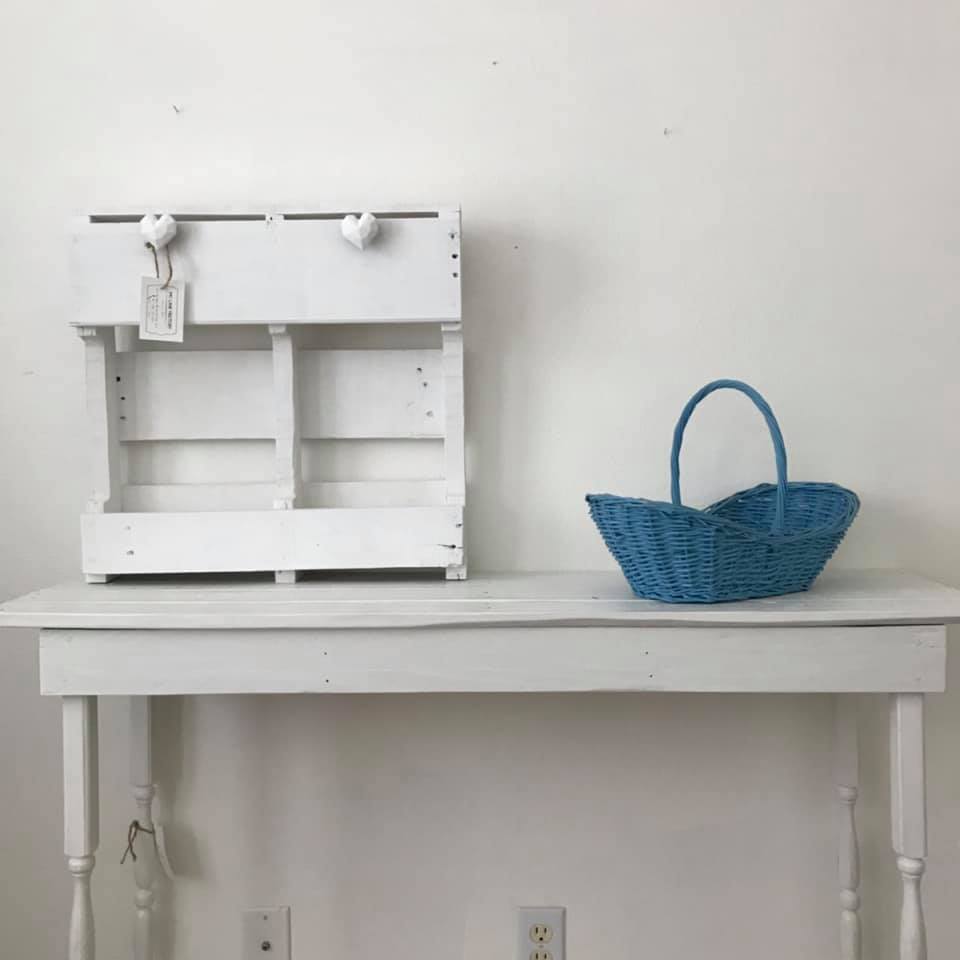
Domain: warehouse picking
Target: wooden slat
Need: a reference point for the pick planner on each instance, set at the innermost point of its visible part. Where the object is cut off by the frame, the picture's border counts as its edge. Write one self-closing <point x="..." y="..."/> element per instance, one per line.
<point x="271" y="540"/>
<point x="205" y="394"/>
<point x="274" y="271"/>
<point x="200" y="461"/>
<point x="193" y="497"/>
<point x="453" y="445"/>
<point x="229" y="394"/>
<point x="508" y="659"/>
<point x="841" y="598"/>
<point x="367" y="459"/>
<point x="196" y="497"/>
<point x="374" y="493"/>
<point x="286" y="409"/>
<point x="371" y="393"/>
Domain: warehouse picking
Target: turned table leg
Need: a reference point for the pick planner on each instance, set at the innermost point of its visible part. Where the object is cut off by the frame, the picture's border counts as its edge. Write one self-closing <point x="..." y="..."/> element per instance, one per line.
<point x="909" y="816"/>
<point x="143" y="837"/>
<point x="81" y="819"/>
<point x="847" y="776"/>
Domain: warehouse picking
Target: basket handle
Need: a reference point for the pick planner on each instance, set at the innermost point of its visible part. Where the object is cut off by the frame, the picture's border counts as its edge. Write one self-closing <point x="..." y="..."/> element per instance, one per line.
<point x="779" y="450"/>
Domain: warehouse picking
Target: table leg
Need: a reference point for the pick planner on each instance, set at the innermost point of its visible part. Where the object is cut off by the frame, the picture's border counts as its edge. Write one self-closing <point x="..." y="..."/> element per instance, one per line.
<point x="847" y="776"/>
<point x="81" y="820"/>
<point x="909" y="816"/>
<point x="144" y="847"/>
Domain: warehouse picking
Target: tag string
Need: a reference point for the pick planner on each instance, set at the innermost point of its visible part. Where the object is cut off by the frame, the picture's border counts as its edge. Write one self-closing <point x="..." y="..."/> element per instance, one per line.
<point x="156" y="264"/>
<point x="135" y="827"/>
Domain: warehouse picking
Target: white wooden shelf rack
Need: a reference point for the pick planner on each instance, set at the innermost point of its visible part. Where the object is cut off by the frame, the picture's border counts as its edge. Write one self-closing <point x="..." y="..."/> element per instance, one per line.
<point x="853" y="633"/>
<point x="313" y="416"/>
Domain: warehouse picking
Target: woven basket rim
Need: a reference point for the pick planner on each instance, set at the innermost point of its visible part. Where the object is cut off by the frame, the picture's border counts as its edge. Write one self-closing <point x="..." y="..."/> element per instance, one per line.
<point x="708" y="517"/>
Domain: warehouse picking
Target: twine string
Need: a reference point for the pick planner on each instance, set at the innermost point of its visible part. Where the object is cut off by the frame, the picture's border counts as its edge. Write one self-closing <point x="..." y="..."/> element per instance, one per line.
<point x="156" y="264"/>
<point x="133" y="830"/>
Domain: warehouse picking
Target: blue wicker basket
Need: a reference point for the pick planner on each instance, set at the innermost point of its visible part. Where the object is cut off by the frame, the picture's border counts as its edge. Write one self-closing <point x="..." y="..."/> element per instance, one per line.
<point x="769" y="540"/>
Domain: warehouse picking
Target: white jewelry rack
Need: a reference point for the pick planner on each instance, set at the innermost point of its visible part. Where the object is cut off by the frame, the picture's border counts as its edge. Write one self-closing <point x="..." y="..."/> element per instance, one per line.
<point x="311" y="420"/>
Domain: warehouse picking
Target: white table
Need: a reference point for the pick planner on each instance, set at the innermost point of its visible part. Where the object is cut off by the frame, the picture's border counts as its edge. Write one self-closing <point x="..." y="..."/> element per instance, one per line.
<point x="864" y="632"/>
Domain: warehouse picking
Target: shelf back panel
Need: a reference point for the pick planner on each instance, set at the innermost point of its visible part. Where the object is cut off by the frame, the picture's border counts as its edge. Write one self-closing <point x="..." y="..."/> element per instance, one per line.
<point x="225" y="395"/>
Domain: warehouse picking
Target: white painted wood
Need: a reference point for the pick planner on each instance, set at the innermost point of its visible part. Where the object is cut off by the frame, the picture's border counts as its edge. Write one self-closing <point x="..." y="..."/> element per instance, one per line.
<point x="913" y="931"/>
<point x="81" y="816"/>
<point x="847" y="776"/>
<point x="192" y="497"/>
<point x="341" y="461"/>
<point x="197" y="394"/>
<point x="151" y="406"/>
<point x="527" y="658"/>
<point x="286" y="418"/>
<point x="286" y="399"/>
<point x="102" y="402"/>
<point x="453" y="443"/>
<point x="855" y="632"/>
<point x="276" y="270"/>
<point x="145" y="865"/>
<point x="909" y="816"/>
<point x="141" y="741"/>
<point x="372" y="393"/>
<point x="908" y="776"/>
<point x="852" y="598"/>
<point x="454" y="427"/>
<point x="272" y="540"/>
<point x="197" y="497"/>
<point x="232" y="394"/>
<point x="205" y="461"/>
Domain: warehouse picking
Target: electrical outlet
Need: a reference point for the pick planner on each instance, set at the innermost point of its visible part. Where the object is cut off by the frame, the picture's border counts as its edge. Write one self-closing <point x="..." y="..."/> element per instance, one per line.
<point x="266" y="934"/>
<point x="541" y="933"/>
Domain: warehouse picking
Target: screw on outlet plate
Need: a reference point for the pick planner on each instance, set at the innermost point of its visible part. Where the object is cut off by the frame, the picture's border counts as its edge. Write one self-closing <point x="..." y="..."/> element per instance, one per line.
<point x="266" y="932"/>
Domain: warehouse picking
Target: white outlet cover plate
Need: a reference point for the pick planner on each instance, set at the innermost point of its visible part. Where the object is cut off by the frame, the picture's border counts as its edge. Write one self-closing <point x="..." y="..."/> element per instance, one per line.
<point x="266" y="925"/>
<point x="532" y="947"/>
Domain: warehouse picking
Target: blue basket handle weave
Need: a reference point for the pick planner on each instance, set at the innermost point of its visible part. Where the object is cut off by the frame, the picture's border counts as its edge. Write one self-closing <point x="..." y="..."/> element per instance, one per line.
<point x="778" y="448"/>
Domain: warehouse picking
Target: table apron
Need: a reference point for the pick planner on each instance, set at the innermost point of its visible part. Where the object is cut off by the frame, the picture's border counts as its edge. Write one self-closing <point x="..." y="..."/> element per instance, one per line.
<point x="504" y="658"/>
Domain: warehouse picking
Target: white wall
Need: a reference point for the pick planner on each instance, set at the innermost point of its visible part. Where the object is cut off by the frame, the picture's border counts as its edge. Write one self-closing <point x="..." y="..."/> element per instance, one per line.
<point x="654" y="194"/>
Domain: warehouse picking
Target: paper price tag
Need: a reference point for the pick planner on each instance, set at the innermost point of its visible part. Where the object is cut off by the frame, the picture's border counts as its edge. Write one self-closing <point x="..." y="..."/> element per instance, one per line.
<point x="161" y="310"/>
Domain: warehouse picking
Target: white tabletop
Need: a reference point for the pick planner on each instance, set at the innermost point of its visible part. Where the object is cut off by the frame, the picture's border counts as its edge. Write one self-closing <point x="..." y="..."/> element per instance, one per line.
<point x="838" y="598"/>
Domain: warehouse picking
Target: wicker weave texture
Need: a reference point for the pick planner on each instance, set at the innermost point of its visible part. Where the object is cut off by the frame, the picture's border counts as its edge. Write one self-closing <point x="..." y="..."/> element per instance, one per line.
<point x="768" y="540"/>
